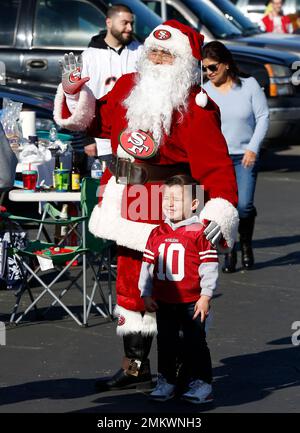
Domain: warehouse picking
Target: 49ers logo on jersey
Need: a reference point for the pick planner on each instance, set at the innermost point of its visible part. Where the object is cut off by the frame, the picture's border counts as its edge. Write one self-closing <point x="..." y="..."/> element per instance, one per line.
<point x="162" y="35"/>
<point x="138" y="144"/>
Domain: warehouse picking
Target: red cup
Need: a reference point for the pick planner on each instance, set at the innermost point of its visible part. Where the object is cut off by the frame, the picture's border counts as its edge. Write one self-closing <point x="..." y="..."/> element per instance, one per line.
<point x="29" y="179"/>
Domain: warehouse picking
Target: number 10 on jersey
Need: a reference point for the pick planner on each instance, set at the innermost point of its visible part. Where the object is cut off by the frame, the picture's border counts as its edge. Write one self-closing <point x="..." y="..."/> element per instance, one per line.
<point x="171" y="262"/>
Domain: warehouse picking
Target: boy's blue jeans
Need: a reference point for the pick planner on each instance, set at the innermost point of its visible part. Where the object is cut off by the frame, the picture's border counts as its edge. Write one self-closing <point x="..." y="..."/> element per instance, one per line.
<point x="191" y="350"/>
<point x="246" y="181"/>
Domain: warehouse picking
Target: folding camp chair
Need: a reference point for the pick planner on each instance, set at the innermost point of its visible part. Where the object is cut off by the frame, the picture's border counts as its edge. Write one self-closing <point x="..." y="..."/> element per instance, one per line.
<point x="98" y="251"/>
<point x="61" y="257"/>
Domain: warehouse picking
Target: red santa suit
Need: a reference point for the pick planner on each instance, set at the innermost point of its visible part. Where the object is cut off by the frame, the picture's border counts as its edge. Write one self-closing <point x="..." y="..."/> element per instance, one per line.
<point x="195" y="142"/>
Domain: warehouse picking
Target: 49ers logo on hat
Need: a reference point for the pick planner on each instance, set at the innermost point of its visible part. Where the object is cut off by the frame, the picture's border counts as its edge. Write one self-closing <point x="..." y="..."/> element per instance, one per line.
<point x="162" y="35"/>
<point x="121" y="320"/>
<point x="138" y="144"/>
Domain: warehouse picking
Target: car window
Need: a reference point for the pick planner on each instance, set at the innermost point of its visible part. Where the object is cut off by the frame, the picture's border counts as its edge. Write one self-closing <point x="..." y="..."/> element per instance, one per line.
<point x="213" y="19"/>
<point x="145" y="19"/>
<point x="155" y="6"/>
<point x="256" y="6"/>
<point x="66" y="23"/>
<point x="233" y="14"/>
<point x="172" y="12"/>
<point x="8" y="20"/>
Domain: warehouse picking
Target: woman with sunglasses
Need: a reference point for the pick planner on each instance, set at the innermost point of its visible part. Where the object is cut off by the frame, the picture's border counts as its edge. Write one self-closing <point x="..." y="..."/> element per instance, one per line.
<point x="245" y="120"/>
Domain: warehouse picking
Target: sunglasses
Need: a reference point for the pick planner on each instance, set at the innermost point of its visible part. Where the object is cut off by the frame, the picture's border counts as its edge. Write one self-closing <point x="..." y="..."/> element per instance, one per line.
<point x="212" y="68"/>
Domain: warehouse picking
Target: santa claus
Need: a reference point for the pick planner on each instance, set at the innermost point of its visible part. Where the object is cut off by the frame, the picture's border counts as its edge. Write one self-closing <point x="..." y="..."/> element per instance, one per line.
<point x="160" y="123"/>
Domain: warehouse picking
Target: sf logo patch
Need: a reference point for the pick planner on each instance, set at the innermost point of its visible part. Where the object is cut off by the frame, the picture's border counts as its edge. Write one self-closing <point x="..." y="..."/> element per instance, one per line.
<point x="138" y="144"/>
<point x="162" y="35"/>
<point x="121" y="320"/>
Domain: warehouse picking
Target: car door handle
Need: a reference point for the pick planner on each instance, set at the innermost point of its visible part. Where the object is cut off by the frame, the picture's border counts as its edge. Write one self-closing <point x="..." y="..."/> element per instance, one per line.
<point x="36" y="64"/>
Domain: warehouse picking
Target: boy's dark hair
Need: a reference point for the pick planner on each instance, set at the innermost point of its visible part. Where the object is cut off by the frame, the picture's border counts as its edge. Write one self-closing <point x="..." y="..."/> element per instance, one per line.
<point x="183" y="180"/>
<point x="116" y="8"/>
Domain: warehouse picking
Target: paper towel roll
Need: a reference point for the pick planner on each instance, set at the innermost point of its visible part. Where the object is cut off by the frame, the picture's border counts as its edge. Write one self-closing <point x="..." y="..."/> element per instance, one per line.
<point x="27" y="120"/>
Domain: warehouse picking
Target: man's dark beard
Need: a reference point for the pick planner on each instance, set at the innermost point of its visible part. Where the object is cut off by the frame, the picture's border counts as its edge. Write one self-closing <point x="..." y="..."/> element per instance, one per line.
<point x="119" y="36"/>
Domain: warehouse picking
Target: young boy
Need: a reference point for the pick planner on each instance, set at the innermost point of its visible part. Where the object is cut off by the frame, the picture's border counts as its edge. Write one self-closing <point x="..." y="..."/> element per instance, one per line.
<point x="178" y="276"/>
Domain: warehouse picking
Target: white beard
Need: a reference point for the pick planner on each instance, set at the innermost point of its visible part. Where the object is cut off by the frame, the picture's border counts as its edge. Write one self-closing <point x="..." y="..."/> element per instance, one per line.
<point x="159" y="91"/>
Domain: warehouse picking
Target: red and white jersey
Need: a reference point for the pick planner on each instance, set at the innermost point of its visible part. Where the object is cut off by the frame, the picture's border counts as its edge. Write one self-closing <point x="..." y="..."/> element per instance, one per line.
<point x="177" y="255"/>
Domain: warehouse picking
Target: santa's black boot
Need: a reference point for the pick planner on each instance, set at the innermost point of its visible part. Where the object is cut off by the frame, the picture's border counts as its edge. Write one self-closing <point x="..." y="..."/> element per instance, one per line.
<point x="246" y="228"/>
<point x="135" y="371"/>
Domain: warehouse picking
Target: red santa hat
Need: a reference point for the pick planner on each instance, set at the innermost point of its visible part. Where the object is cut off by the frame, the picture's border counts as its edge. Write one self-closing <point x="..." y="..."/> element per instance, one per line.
<point x="180" y="40"/>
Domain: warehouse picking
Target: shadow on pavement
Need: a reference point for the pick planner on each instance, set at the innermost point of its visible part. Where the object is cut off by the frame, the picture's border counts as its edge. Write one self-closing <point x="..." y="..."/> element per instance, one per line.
<point x="270" y="160"/>
<point x="54" y="314"/>
<point x="287" y="260"/>
<point x="57" y="389"/>
<point x="278" y="241"/>
<point x="240" y="380"/>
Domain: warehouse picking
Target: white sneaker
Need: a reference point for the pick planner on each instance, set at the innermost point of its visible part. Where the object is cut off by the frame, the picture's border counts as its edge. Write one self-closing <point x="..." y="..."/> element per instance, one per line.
<point x="163" y="390"/>
<point x="199" y="392"/>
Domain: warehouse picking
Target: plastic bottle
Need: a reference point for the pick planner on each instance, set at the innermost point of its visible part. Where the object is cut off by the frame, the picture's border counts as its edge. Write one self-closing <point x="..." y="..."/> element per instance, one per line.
<point x="75" y="174"/>
<point x="52" y="134"/>
<point x="56" y="167"/>
<point x="64" y="215"/>
<point x="96" y="169"/>
<point x="61" y="230"/>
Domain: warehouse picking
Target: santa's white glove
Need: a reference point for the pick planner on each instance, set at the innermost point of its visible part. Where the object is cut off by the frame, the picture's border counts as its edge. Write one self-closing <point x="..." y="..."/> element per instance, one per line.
<point x="71" y="74"/>
<point x="213" y="233"/>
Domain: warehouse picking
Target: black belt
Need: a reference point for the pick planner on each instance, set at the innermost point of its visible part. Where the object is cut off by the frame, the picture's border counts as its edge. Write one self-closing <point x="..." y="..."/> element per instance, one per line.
<point x="132" y="173"/>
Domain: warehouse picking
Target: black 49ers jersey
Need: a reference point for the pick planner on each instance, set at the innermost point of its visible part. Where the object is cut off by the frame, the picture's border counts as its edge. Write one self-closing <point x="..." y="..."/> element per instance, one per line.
<point x="177" y="255"/>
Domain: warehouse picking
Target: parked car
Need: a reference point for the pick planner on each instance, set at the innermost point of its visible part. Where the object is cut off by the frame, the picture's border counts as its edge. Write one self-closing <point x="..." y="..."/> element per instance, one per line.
<point x="214" y="20"/>
<point x="35" y="34"/>
<point x="251" y="32"/>
<point x="42" y="103"/>
<point x="272" y="69"/>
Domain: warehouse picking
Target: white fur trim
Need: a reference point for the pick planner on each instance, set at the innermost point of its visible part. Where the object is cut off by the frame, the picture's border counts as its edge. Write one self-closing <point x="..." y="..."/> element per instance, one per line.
<point x="178" y="43"/>
<point x="123" y="154"/>
<point x="132" y="322"/>
<point x="201" y="99"/>
<point x="83" y="114"/>
<point x="225" y="214"/>
<point x="106" y="220"/>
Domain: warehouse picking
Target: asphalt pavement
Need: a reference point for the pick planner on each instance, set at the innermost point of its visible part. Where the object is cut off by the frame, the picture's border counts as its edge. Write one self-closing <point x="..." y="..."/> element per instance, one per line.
<point x="50" y="365"/>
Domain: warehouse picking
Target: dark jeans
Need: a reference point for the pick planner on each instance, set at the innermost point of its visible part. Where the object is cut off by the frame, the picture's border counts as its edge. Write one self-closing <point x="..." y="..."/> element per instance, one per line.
<point x="191" y="349"/>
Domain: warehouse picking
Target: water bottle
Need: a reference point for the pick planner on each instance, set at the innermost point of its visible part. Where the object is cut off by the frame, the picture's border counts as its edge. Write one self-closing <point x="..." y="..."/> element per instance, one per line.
<point x="53" y="134"/>
<point x="96" y="169"/>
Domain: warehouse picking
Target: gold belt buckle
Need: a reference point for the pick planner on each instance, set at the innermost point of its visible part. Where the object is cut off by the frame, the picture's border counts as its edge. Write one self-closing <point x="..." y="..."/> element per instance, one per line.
<point x="120" y="179"/>
<point x="134" y="367"/>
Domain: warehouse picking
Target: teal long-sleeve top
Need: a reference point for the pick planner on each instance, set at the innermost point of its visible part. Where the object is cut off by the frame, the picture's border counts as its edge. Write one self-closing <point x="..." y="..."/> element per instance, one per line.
<point x="244" y="114"/>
